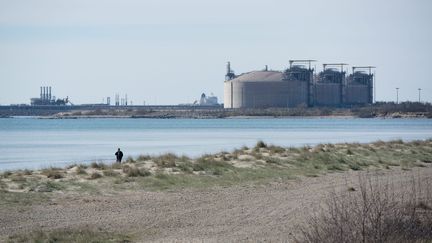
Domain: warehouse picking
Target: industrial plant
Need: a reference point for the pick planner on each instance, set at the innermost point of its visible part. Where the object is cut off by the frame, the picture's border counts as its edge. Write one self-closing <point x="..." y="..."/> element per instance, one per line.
<point x="210" y="100"/>
<point x="299" y="86"/>
<point x="46" y="98"/>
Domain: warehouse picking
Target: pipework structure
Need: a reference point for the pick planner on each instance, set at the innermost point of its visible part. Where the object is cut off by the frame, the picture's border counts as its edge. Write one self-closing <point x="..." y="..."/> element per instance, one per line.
<point x="46" y="98"/>
<point x="304" y="75"/>
<point x="298" y="86"/>
<point x="328" y="87"/>
<point x="359" y="86"/>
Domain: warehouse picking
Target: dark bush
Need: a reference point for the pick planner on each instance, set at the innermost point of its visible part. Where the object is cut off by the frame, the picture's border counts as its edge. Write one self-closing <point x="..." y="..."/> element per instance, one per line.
<point x="261" y="144"/>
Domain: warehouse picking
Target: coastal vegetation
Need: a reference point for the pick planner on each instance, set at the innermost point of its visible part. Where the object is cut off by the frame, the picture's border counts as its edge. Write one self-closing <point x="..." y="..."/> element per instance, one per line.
<point x="371" y="211"/>
<point x="260" y="164"/>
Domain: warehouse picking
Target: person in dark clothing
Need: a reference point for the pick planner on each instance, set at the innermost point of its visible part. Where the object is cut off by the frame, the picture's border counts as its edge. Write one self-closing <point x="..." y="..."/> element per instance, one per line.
<point x="119" y="155"/>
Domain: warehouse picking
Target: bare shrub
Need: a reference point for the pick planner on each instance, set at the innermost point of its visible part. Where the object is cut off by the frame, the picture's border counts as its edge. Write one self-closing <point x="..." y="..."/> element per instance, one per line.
<point x="377" y="212"/>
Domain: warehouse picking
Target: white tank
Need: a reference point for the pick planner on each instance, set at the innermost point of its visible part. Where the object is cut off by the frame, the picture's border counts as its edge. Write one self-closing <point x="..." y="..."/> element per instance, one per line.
<point x="262" y="89"/>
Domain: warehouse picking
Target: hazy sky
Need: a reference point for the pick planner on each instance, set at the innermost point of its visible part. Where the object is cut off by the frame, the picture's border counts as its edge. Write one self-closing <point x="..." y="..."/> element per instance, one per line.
<point x="169" y="52"/>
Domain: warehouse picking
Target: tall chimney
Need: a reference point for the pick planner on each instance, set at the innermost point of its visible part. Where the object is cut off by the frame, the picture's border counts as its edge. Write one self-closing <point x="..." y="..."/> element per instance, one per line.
<point x="41" y="92"/>
<point x="49" y="95"/>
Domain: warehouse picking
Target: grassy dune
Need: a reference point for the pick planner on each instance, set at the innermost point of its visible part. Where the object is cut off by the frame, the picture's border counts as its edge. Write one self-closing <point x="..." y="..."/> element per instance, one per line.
<point x="260" y="164"/>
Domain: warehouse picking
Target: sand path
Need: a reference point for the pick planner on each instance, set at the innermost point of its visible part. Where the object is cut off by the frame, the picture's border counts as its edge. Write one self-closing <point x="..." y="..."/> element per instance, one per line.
<point x="240" y="213"/>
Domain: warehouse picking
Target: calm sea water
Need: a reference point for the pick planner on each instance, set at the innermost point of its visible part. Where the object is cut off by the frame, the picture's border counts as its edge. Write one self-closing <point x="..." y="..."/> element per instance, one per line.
<point x="38" y="143"/>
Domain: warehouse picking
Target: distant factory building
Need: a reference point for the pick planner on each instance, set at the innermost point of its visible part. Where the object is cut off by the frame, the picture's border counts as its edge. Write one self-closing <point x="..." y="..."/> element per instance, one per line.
<point x="46" y="98"/>
<point x="208" y="100"/>
<point x="297" y="86"/>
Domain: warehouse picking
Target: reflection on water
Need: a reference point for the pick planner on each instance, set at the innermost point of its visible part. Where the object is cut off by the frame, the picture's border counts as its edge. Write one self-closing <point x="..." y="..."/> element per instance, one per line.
<point x="35" y="143"/>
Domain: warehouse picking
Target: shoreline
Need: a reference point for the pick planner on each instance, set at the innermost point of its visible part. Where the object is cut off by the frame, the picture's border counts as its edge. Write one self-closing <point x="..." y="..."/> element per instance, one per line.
<point x="262" y="156"/>
<point x="406" y="116"/>
<point x="68" y="163"/>
<point x="379" y="109"/>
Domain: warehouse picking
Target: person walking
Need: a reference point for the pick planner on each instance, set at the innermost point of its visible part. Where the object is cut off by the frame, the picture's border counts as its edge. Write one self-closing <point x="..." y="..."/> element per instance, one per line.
<point x="119" y="155"/>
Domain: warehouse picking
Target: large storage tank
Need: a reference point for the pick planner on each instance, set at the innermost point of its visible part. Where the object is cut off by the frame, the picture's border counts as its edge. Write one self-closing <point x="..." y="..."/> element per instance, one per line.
<point x="328" y="88"/>
<point x="359" y="88"/>
<point x="296" y="86"/>
<point x="262" y="89"/>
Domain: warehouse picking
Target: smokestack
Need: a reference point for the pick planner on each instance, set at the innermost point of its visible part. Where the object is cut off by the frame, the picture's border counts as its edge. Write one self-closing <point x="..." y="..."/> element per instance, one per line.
<point x="41" y="92"/>
<point x="266" y="68"/>
<point x="49" y="95"/>
<point x="228" y="68"/>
